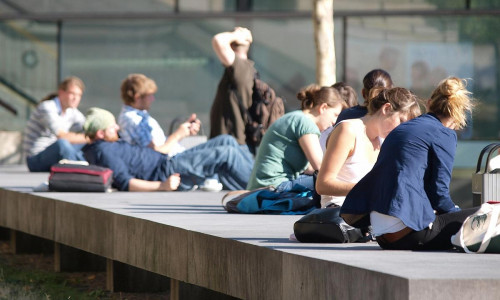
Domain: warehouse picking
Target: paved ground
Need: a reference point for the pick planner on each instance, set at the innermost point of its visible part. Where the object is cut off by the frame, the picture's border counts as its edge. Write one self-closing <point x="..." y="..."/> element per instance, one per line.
<point x="202" y="212"/>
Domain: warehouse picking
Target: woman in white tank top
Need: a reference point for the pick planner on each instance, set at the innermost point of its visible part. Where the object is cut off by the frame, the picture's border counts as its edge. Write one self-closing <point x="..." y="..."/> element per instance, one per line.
<point x="353" y="146"/>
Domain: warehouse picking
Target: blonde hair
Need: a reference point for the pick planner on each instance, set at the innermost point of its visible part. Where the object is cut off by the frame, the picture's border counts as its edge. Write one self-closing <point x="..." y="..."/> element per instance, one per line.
<point x="451" y="99"/>
<point x="400" y="99"/>
<point x="136" y="85"/>
<point x="314" y="95"/>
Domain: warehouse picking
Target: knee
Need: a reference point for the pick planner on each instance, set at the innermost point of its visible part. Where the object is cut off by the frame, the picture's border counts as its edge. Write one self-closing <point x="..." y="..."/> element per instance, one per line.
<point x="227" y="139"/>
<point x="62" y="144"/>
<point x="64" y="147"/>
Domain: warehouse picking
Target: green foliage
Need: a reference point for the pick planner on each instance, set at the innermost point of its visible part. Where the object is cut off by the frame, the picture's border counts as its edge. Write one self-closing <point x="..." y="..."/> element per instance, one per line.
<point x="17" y="283"/>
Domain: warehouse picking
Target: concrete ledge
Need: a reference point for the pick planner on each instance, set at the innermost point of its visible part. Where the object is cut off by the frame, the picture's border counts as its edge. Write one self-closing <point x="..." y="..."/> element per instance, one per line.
<point x="189" y="238"/>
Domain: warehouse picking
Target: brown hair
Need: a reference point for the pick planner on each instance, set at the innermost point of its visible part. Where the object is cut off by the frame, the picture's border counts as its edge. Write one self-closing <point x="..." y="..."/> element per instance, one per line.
<point x="400" y="99"/>
<point x="451" y="99"/>
<point x="314" y="95"/>
<point x="136" y="85"/>
<point x="71" y="80"/>
<point x="347" y="93"/>
<point x="376" y="78"/>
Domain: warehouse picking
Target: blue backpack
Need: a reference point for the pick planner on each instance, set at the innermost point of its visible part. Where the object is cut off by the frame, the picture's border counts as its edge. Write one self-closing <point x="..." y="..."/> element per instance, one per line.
<point x="298" y="201"/>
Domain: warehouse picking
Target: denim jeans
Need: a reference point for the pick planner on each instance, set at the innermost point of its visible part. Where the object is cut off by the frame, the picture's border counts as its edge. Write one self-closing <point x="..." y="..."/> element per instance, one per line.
<point x="61" y="149"/>
<point x="304" y="180"/>
<point x="220" y="157"/>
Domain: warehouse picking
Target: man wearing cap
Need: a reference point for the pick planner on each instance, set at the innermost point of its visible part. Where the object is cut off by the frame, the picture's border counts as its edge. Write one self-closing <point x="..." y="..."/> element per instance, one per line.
<point x="137" y="168"/>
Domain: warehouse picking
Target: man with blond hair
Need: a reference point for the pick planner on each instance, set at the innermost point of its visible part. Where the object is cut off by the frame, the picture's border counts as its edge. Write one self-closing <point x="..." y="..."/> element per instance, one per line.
<point x="138" y="127"/>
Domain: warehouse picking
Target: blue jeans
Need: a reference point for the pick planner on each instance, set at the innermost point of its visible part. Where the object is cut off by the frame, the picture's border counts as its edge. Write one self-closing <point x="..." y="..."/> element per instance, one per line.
<point x="61" y="149"/>
<point x="304" y="180"/>
<point x="220" y="157"/>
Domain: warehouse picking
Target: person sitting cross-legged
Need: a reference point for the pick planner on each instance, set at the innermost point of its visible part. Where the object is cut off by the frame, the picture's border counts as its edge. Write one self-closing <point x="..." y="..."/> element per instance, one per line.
<point x="54" y="130"/>
<point x="138" y="168"/>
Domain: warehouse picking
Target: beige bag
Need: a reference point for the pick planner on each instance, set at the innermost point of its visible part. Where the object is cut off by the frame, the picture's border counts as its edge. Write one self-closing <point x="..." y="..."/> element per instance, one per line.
<point x="480" y="232"/>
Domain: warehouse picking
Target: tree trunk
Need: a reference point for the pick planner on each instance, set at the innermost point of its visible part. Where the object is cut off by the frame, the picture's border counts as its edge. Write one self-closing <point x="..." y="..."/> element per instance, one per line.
<point x="323" y="38"/>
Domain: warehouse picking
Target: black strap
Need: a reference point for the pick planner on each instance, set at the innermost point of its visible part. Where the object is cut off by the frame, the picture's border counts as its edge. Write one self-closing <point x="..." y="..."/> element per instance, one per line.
<point x="491" y="148"/>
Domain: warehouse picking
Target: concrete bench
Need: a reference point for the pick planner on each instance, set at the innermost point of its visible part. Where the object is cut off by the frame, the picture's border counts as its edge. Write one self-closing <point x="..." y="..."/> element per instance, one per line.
<point x="189" y="238"/>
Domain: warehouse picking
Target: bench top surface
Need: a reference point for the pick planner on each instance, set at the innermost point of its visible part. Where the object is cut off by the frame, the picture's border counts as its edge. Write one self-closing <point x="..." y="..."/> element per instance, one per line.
<point x="202" y="212"/>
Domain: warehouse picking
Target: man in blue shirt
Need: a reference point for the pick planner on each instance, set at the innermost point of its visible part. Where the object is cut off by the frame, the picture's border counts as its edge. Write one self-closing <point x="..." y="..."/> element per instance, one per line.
<point x="137" y="168"/>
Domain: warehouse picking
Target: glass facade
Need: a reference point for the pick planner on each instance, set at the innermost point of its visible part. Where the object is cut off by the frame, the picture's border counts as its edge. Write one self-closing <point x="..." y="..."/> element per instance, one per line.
<point x="417" y="49"/>
<point x="420" y="51"/>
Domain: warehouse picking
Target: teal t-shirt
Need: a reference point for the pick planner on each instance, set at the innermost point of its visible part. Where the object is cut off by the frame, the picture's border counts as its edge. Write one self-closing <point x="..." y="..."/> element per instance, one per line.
<point x="280" y="157"/>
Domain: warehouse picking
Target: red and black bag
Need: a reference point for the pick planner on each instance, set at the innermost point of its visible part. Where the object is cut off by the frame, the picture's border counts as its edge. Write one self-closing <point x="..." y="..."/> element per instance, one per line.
<point x="79" y="178"/>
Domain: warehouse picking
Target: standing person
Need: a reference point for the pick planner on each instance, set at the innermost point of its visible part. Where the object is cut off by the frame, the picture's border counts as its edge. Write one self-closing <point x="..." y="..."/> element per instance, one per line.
<point x="406" y="194"/>
<point x="234" y="92"/>
<point x="291" y="146"/>
<point x="55" y="128"/>
<point x="138" y="168"/>
<point x="354" y="144"/>
<point x="372" y="82"/>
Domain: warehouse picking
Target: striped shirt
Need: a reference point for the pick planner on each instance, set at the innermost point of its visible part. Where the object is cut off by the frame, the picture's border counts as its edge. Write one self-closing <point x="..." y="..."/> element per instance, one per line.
<point x="45" y="122"/>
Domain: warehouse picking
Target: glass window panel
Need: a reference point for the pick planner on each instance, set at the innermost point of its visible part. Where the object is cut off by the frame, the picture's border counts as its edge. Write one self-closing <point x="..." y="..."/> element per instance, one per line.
<point x="95" y="6"/>
<point x="208" y="6"/>
<point x="485" y="4"/>
<point x="379" y="5"/>
<point x="28" y="64"/>
<point x="279" y="5"/>
<point x="178" y="55"/>
<point x="418" y="52"/>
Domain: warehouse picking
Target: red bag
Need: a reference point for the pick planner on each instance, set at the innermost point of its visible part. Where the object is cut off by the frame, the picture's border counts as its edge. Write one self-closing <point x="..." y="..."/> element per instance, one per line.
<point x="79" y="178"/>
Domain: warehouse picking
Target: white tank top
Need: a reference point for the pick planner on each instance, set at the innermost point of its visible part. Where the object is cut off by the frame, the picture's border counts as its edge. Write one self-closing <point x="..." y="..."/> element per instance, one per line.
<point x="354" y="168"/>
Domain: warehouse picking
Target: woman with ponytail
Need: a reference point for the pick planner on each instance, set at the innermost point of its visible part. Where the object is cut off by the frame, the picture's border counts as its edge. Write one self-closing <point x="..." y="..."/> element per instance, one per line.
<point x="290" y="151"/>
<point x="373" y="82"/>
<point x="405" y="197"/>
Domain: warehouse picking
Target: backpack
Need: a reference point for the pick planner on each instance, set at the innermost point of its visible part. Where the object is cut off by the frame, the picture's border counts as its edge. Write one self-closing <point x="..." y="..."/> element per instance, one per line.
<point x="265" y="109"/>
<point x="298" y="201"/>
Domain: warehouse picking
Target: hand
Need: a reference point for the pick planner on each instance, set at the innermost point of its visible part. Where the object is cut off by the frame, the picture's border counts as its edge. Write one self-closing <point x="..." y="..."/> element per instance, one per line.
<point x="172" y="183"/>
<point x="243" y="36"/>
<point x="195" y="124"/>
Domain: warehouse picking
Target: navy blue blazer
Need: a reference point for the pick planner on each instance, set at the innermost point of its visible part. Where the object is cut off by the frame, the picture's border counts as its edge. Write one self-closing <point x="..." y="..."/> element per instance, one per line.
<point x="354" y="112"/>
<point x="412" y="175"/>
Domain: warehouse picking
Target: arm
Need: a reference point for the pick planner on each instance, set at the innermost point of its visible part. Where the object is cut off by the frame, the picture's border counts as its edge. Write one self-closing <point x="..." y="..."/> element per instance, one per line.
<point x="312" y="150"/>
<point x="51" y="119"/>
<point x="190" y="127"/>
<point x="221" y="43"/>
<point x="438" y="182"/>
<point x="339" y="147"/>
<point x="139" y="185"/>
<point x="72" y="137"/>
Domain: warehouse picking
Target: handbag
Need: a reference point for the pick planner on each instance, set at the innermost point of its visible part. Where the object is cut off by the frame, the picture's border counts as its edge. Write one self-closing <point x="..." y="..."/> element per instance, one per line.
<point x="480" y="232"/>
<point x="326" y="226"/>
<point x="79" y="178"/>
<point x="486" y="182"/>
